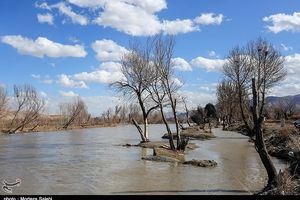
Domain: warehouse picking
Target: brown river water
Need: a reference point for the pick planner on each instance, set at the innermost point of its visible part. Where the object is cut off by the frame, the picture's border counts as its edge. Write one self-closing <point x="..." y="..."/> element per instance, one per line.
<point x="91" y="161"/>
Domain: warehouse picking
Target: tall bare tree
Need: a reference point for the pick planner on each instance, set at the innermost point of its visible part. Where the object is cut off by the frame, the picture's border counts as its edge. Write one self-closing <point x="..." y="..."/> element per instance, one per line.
<point x="227" y="100"/>
<point x="28" y="107"/>
<point x="262" y="68"/>
<point x="136" y="68"/>
<point x="238" y="69"/>
<point x="163" y="52"/>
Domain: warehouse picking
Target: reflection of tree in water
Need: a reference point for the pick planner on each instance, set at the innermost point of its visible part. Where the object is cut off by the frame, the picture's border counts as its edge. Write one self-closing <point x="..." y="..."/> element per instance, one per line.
<point x="146" y="151"/>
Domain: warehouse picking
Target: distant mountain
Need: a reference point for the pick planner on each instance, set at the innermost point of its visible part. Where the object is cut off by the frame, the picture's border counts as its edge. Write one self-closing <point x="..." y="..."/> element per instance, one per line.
<point x="275" y="99"/>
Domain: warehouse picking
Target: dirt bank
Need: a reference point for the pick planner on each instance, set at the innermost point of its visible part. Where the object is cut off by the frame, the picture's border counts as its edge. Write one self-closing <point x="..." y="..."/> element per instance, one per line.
<point x="194" y="133"/>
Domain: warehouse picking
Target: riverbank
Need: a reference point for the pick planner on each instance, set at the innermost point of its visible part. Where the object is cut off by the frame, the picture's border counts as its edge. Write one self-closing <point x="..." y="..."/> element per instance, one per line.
<point x="282" y="143"/>
<point x="41" y="129"/>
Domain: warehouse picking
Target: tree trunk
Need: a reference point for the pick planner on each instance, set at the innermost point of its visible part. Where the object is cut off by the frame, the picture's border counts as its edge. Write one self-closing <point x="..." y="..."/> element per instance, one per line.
<point x="140" y="130"/>
<point x="171" y="141"/>
<point x="259" y="141"/>
<point x="173" y="105"/>
<point x="146" y="133"/>
<point x="242" y="110"/>
<point x="265" y="158"/>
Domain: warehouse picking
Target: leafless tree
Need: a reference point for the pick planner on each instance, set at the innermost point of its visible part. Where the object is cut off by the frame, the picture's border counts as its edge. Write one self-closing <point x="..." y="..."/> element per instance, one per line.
<point x="123" y="113"/>
<point x="136" y="68"/>
<point x="238" y="69"/>
<point x="163" y="52"/>
<point x="262" y="68"/>
<point x="287" y="107"/>
<point x="159" y="95"/>
<point x="28" y="107"/>
<point x="75" y="112"/>
<point x="134" y="112"/>
<point x="227" y="100"/>
<point x="187" y="112"/>
<point x="3" y="101"/>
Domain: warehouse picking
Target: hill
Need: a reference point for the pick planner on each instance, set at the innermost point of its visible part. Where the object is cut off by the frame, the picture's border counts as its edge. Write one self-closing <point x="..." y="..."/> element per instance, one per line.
<point x="275" y="100"/>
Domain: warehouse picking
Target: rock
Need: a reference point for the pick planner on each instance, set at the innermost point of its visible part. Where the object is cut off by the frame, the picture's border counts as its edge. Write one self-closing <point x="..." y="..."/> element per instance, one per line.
<point x="201" y="163"/>
<point x="160" y="159"/>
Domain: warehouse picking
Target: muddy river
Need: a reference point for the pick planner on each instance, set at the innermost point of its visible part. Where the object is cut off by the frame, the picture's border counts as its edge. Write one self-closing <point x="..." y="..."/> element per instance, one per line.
<point x="91" y="161"/>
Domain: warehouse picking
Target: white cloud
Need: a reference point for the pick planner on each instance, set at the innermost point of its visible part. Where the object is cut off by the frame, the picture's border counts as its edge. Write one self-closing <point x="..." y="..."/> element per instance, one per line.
<point x="211" y="65"/>
<point x="96" y="104"/>
<point x="129" y="18"/>
<point x="283" y="22"/>
<point x="137" y="20"/>
<point x="68" y="94"/>
<point x="209" y="18"/>
<point x="43" y="94"/>
<point x="46" y="18"/>
<point x="99" y="104"/>
<point x="108" y="50"/>
<point x="99" y="76"/>
<point x="111" y="66"/>
<point x="198" y="98"/>
<point x="213" y="54"/>
<point x="43" y="47"/>
<point x="109" y="72"/>
<point x="66" y="81"/>
<point x="286" y="48"/>
<point x="67" y="10"/>
<point x="177" y="82"/>
<point x="149" y="5"/>
<point x="36" y="76"/>
<point x="292" y="65"/>
<point x="181" y="64"/>
<point x="44" y="79"/>
<point x="88" y="3"/>
<point x="178" y="26"/>
<point x="42" y="5"/>
<point x="133" y="17"/>
<point x="291" y="85"/>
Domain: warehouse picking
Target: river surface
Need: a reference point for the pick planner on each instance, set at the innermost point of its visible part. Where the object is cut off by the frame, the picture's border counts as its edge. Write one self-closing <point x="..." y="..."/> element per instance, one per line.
<point x="91" y="161"/>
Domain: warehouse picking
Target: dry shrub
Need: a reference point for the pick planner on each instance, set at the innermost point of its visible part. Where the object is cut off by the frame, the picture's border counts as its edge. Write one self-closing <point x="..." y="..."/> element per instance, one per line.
<point x="288" y="131"/>
<point x="294" y="142"/>
<point x="287" y="185"/>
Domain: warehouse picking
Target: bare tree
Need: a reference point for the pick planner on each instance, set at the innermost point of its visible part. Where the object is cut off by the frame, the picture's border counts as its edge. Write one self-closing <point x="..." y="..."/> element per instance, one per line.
<point x="28" y="107"/>
<point x="187" y="112"/>
<point x="287" y="107"/>
<point x="262" y="69"/>
<point x="227" y="100"/>
<point x="238" y="69"/>
<point x="136" y="69"/>
<point x="163" y="52"/>
<point x="123" y="113"/>
<point x="3" y="101"/>
<point x="75" y="112"/>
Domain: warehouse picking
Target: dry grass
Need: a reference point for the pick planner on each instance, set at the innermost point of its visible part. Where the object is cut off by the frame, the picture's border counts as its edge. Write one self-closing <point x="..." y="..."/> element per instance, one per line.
<point x="294" y="142"/>
<point x="287" y="185"/>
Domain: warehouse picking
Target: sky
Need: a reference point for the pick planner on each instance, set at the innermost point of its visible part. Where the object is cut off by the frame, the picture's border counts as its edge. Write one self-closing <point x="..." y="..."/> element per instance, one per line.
<point x="69" y="48"/>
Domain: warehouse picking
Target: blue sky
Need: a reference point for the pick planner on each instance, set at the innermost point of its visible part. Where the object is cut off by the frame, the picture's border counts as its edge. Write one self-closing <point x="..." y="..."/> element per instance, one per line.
<point x="66" y="48"/>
